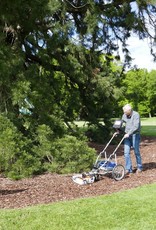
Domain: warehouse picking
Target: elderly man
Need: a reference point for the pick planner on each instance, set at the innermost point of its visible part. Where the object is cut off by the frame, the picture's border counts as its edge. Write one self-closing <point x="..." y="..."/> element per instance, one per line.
<point x="132" y="138"/>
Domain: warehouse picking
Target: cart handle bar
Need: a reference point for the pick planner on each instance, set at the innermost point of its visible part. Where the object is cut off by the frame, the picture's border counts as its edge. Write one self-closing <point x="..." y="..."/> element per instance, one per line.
<point x="103" y="151"/>
<point x="117" y="147"/>
<point x="109" y="142"/>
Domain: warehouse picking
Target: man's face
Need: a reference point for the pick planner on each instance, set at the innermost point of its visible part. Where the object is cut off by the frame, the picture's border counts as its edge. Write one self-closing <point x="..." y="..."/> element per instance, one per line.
<point x="127" y="112"/>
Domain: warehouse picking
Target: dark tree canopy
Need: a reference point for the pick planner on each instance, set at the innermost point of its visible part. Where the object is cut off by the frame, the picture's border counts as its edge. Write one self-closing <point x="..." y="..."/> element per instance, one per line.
<point x="57" y="53"/>
<point x="59" y="62"/>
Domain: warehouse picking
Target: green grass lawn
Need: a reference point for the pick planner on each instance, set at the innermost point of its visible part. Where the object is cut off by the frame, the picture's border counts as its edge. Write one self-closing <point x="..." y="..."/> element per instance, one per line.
<point x="148" y="126"/>
<point x="128" y="210"/>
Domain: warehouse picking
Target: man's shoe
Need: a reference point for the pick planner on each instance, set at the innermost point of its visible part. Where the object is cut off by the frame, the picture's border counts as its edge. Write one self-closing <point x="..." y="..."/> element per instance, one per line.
<point x="139" y="171"/>
<point x="128" y="173"/>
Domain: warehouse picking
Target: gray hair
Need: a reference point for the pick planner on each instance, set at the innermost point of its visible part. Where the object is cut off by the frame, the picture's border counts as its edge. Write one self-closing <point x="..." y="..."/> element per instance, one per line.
<point x="127" y="107"/>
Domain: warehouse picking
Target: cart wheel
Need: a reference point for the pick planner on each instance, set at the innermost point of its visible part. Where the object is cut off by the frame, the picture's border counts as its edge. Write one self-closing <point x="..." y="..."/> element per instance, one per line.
<point x="118" y="172"/>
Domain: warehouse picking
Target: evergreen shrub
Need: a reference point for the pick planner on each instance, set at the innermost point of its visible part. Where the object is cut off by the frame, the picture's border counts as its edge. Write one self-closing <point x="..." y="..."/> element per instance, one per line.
<point x="23" y="156"/>
<point x="71" y="155"/>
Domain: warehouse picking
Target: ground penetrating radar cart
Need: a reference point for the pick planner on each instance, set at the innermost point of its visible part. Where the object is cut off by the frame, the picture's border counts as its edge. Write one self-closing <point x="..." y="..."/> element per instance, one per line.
<point x="105" y="163"/>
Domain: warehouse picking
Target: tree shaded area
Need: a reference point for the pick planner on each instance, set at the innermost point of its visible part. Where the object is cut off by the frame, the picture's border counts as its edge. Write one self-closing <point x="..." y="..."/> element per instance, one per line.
<point x="56" y="65"/>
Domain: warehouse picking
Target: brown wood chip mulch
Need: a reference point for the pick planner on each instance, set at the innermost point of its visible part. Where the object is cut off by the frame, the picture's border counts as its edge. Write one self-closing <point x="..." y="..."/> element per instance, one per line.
<point x="49" y="188"/>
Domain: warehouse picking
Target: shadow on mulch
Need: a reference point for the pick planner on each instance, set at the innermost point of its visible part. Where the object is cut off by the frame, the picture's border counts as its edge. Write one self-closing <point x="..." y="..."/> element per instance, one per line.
<point x="7" y="192"/>
<point x="147" y="140"/>
<point x="149" y="166"/>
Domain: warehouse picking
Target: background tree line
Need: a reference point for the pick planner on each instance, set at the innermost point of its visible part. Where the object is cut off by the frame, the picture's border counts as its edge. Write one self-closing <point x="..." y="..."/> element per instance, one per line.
<point x="140" y="88"/>
<point x="59" y="62"/>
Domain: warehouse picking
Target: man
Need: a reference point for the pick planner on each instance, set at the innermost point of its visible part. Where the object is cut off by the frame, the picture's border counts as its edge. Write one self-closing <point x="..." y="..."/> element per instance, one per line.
<point x="132" y="138"/>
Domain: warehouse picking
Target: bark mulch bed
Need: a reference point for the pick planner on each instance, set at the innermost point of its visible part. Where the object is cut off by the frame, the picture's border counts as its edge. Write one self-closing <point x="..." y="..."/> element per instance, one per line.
<point x="48" y="188"/>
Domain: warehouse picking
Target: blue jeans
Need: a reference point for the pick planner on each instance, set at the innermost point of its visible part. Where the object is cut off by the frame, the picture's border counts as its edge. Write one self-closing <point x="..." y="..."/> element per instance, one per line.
<point x="132" y="141"/>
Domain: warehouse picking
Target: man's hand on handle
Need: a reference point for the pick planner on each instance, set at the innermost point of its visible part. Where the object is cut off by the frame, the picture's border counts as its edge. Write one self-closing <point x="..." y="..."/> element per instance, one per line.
<point x="126" y="135"/>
